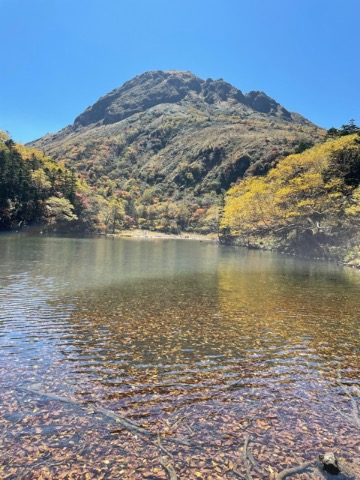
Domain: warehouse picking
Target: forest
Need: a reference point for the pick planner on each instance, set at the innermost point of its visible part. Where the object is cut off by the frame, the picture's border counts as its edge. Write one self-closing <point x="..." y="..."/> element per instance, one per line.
<point x="33" y="188"/>
<point x="37" y="190"/>
<point x="308" y="204"/>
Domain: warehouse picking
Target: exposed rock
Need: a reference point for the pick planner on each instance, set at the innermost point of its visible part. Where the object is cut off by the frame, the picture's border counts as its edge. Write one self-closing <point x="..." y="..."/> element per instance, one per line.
<point x="329" y="463"/>
<point x="338" y="468"/>
<point x="138" y="95"/>
<point x="154" y="88"/>
<point x="260" y="102"/>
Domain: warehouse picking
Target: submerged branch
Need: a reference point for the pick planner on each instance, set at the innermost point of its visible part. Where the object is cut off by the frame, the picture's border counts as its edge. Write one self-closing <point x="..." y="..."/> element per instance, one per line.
<point x="170" y="470"/>
<point x="354" y="417"/>
<point x="288" y="472"/>
<point x="124" y="422"/>
<point x="245" y="458"/>
<point x="161" y="446"/>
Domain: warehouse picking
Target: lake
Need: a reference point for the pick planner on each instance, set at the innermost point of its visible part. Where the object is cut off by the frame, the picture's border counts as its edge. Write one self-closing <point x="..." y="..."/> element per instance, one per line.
<point x="225" y="363"/>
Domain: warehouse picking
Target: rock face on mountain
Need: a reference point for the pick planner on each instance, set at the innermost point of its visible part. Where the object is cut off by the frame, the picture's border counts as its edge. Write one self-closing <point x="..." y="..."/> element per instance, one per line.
<point x="177" y="136"/>
<point x="155" y="88"/>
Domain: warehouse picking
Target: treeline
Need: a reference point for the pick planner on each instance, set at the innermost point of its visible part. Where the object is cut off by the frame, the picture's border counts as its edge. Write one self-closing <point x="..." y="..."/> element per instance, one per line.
<point x="347" y="129"/>
<point x="309" y="204"/>
<point x="36" y="190"/>
<point x="33" y="188"/>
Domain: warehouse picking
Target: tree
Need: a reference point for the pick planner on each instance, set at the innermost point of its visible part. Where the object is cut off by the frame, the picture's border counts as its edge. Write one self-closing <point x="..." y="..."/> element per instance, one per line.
<point x="345" y="164"/>
<point x="59" y="210"/>
<point x="114" y="214"/>
<point x="347" y="129"/>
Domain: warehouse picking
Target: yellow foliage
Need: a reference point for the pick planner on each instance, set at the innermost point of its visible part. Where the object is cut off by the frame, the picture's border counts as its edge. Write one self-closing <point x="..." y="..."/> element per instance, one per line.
<point x="4" y="136"/>
<point x="294" y="191"/>
<point x="354" y="209"/>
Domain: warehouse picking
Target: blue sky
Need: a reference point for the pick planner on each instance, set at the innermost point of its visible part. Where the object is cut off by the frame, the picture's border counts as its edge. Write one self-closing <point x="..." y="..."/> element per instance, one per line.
<point x="60" y="56"/>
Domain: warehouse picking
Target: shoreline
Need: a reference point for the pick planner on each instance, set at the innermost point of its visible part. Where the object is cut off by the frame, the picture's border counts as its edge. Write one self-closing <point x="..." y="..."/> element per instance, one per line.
<point x="213" y="237"/>
<point x="150" y="234"/>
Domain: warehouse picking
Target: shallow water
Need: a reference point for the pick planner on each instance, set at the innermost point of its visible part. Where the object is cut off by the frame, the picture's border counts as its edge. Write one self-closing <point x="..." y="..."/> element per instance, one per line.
<point x="215" y="346"/>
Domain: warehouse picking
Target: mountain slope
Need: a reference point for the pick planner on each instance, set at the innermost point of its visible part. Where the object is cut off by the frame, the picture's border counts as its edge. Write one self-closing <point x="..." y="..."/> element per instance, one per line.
<point x="173" y="138"/>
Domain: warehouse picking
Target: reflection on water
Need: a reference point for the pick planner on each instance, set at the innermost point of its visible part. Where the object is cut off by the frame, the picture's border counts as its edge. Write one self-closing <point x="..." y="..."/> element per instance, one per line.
<point x="211" y="343"/>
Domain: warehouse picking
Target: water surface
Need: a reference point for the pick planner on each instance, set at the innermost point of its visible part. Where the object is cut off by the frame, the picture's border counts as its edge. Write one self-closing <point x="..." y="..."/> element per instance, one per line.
<point x="219" y="347"/>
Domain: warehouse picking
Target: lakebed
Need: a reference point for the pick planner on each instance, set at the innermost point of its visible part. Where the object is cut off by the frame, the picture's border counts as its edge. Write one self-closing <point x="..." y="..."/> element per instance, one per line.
<point x="144" y="358"/>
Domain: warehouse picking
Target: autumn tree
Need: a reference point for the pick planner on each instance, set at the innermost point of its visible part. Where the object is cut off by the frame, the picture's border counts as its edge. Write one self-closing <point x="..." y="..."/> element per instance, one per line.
<point x="311" y="192"/>
<point x="114" y="214"/>
<point x="59" y="210"/>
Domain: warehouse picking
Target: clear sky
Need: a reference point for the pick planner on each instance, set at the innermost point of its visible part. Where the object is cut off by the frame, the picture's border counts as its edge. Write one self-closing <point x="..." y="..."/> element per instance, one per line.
<point x="60" y="56"/>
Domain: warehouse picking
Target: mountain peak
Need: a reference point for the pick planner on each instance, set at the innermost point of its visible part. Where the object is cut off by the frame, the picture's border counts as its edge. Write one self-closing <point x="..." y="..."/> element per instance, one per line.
<point x="139" y="94"/>
<point x="157" y="87"/>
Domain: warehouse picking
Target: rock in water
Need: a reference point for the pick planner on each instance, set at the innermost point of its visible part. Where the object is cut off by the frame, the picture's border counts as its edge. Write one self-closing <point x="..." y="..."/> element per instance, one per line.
<point x="330" y="463"/>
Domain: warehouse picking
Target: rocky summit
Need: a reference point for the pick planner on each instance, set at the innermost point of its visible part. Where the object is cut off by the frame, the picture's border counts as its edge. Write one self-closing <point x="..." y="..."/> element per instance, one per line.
<point x="173" y="136"/>
<point x="183" y="88"/>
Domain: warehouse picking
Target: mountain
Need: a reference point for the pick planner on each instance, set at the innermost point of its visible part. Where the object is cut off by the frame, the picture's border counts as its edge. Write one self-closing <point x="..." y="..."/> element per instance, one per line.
<point x="171" y="140"/>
